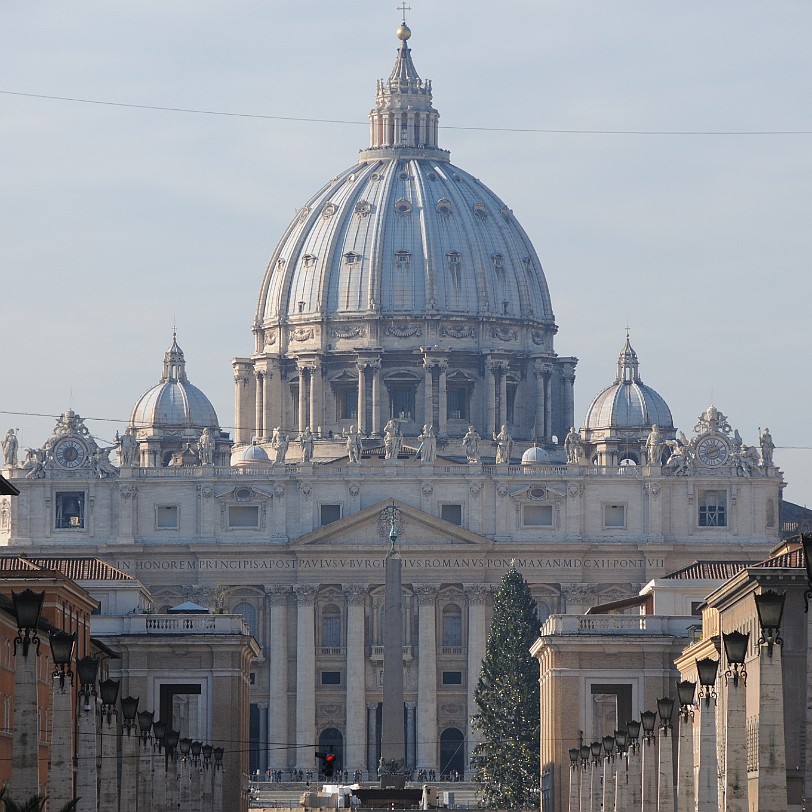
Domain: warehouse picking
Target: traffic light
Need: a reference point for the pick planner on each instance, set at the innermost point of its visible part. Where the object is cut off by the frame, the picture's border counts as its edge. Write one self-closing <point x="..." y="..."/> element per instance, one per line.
<point x="328" y="763"/>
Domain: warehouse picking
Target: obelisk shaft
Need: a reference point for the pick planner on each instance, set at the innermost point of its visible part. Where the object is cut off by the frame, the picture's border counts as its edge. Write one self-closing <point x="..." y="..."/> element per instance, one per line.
<point x="392" y="738"/>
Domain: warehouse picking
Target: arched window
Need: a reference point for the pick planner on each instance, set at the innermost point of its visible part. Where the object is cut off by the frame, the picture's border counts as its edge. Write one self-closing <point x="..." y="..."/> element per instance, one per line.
<point x="452" y="753"/>
<point x="249" y="615"/>
<point x="331" y="626"/>
<point x="542" y="611"/>
<point x="452" y="625"/>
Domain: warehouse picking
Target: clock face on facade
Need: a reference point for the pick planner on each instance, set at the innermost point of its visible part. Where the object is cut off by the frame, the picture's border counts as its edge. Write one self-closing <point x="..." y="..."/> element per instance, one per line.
<point x="712" y="451"/>
<point x="70" y="453"/>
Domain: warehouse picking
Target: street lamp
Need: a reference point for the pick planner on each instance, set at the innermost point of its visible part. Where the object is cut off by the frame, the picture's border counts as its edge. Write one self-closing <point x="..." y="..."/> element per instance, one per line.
<point x="27" y="608"/>
<point x="62" y="645"/>
<point x="770" y="608"/>
<point x="583" y="751"/>
<point x="129" y="709"/>
<point x="87" y="668"/>
<point x="171" y="741"/>
<point x="207" y="750"/>
<point x="109" y="694"/>
<point x="736" y="650"/>
<point x="145" y="724"/>
<point x="685" y="693"/>
<point x="633" y="732"/>
<point x="648" y="720"/>
<point x="707" y="669"/>
<point x="665" y="707"/>
<point x="609" y="745"/>
<point x="574" y="753"/>
<point x="620" y="740"/>
<point x="185" y="747"/>
<point x="595" y="749"/>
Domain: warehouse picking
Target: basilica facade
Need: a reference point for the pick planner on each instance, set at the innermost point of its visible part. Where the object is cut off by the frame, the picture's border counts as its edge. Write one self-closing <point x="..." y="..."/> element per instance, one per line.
<point x="404" y="363"/>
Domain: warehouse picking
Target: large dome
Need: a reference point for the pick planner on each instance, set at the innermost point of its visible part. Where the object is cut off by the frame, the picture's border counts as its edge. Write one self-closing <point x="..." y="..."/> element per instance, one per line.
<point x="404" y="289"/>
<point x="174" y="404"/>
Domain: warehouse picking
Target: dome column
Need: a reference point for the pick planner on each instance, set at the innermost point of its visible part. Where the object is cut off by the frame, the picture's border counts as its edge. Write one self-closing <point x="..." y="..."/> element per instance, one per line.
<point x="442" y="428"/>
<point x="272" y="397"/>
<point x="243" y="398"/>
<point x="301" y="418"/>
<point x="259" y="410"/>
<point x="490" y="395"/>
<point x="375" y="367"/>
<point x="542" y="371"/>
<point x="362" y="397"/>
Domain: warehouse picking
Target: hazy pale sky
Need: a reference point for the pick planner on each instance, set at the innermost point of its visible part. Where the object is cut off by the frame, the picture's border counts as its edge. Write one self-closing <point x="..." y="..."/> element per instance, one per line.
<point x="118" y="222"/>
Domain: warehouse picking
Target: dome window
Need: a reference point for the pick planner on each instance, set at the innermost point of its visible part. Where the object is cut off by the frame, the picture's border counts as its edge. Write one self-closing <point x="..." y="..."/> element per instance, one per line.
<point x="456" y="177"/>
<point x="403" y="259"/>
<point x="308" y="260"/>
<point x="444" y="206"/>
<point x="375" y="176"/>
<point x="499" y="266"/>
<point x="454" y="260"/>
<point x="303" y="214"/>
<point x="480" y="210"/>
<point x="403" y="206"/>
<point x="351" y="258"/>
<point x="362" y="208"/>
<point x="404" y="176"/>
<point x="432" y="176"/>
<point x="528" y="264"/>
<point x="329" y="210"/>
<point x="280" y="264"/>
<point x="505" y="212"/>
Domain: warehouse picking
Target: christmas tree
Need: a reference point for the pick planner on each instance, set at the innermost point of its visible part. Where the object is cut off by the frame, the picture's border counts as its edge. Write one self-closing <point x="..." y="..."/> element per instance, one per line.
<point x="507" y="694"/>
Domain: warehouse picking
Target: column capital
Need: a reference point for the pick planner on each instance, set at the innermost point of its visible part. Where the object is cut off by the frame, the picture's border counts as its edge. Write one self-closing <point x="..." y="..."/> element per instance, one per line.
<point x="426" y="594"/>
<point x="356" y="593"/>
<point x="410" y="705"/>
<point x="541" y="368"/>
<point x="305" y="593"/>
<point x="372" y="706"/>
<point x="277" y="594"/>
<point x="476" y="593"/>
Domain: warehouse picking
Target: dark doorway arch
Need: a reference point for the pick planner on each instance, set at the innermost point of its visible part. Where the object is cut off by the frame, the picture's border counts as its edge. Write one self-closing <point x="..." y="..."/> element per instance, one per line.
<point x="331" y="741"/>
<point x="452" y="752"/>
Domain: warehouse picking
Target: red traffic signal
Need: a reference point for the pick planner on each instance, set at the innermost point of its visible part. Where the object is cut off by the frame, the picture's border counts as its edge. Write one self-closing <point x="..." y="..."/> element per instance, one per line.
<point x="329" y="765"/>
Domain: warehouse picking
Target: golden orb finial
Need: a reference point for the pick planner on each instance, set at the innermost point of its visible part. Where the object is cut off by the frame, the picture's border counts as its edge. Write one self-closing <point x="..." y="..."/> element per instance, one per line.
<point x="404" y="32"/>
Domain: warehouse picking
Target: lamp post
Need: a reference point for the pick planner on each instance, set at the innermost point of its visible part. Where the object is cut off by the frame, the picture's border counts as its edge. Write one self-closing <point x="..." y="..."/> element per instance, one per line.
<point x="685" y="753"/>
<point x="707" y="788"/>
<point x="197" y="788"/>
<point x="735" y="645"/>
<point x="573" y="804"/>
<point x="159" y="766"/>
<point x="585" y="799"/>
<point x="648" y="719"/>
<point x="86" y="778"/>
<point x="621" y="773"/>
<point x="60" y="774"/>
<point x="129" y="754"/>
<point x="595" y="793"/>
<point x="634" y="765"/>
<point x="665" y="782"/>
<point x="772" y="764"/>
<point x="25" y="735"/>
<point x="171" y="738"/>
<point x="108" y="786"/>
<point x="608" y="743"/>
<point x="185" y="745"/>
<point x="217" y="801"/>
<point x="806" y="544"/>
<point x="207" y="778"/>
<point x="145" y="769"/>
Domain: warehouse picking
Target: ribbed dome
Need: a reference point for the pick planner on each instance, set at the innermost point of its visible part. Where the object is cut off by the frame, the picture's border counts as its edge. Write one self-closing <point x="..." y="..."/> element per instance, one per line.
<point x="536" y="456"/>
<point x="174" y="403"/>
<point x="252" y="455"/>
<point x="628" y="403"/>
<point x="404" y="233"/>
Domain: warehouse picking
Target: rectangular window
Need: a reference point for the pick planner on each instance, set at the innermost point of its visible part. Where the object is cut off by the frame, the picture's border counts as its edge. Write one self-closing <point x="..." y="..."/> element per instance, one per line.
<point x="452" y="677"/>
<point x="347" y="400"/>
<point x="330" y="514"/>
<point x="70" y="510"/>
<point x="614" y="516"/>
<point x="243" y="517"/>
<point x="166" y="517"/>
<point x="713" y="509"/>
<point x="451" y="513"/>
<point x="457" y="403"/>
<point x="331" y="678"/>
<point x="402" y="403"/>
<point x="537" y="515"/>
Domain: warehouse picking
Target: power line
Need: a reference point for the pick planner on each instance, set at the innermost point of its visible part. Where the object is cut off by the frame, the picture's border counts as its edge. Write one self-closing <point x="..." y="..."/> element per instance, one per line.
<point x="307" y="120"/>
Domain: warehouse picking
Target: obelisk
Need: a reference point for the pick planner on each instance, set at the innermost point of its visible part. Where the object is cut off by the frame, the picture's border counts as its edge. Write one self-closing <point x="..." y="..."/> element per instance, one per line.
<point x="392" y="739"/>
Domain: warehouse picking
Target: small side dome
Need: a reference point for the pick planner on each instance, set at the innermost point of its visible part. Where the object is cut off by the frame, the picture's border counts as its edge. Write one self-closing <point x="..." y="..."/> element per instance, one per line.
<point x="252" y="455"/>
<point x="536" y="456"/>
<point x="174" y="403"/>
<point x="628" y="403"/>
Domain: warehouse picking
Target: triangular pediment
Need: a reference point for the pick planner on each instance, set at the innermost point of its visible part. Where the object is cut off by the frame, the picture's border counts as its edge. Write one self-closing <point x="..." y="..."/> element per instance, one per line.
<point x="370" y="527"/>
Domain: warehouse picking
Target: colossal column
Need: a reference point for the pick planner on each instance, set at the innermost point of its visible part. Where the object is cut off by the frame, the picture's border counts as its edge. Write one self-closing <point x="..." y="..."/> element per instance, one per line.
<point x="354" y="756"/>
<point x="259" y="409"/>
<point x="491" y="367"/>
<point x="278" y="675"/>
<point x="302" y="416"/>
<point x="375" y="367"/>
<point x="426" y="677"/>
<point x="315" y="396"/>
<point x="362" y="398"/>
<point x="477" y="635"/>
<point x="305" y="674"/>
<point x="428" y="384"/>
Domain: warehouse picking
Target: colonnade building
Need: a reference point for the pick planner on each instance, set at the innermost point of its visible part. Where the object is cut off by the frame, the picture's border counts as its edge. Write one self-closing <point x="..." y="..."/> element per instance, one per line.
<point x="403" y="323"/>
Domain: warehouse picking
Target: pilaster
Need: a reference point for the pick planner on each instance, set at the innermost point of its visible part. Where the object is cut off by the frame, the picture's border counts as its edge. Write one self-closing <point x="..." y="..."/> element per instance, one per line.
<point x="277" y="659"/>
<point x="354" y="755"/>
<point x="772" y="763"/>
<point x="427" y="676"/>
<point x="305" y="674"/>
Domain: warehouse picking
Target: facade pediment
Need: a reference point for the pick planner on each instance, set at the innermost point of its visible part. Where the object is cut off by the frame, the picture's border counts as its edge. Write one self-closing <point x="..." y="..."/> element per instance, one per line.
<point x="371" y="526"/>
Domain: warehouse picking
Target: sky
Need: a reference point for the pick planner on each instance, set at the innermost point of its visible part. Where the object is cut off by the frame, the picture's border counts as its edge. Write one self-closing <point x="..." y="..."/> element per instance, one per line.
<point x="615" y="130"/>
